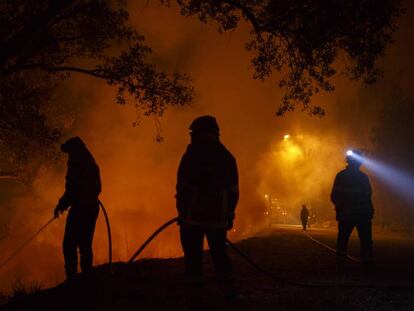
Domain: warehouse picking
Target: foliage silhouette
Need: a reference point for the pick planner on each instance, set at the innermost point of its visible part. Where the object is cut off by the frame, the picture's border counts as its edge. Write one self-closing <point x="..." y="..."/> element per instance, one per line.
<point x="304" y="40"/>
<point x="43" y="42"/>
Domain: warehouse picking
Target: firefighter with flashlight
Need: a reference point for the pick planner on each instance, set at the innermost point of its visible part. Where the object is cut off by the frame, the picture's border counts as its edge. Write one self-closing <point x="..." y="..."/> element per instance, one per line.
<point x="207" y="195"/>
<point x="83" y="186"/>
<point x="351" y="195"/>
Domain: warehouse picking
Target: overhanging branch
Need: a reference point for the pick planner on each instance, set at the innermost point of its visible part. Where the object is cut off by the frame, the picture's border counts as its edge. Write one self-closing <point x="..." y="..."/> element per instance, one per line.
<point x="247" y="13"/>
<point x="97" y="72"/>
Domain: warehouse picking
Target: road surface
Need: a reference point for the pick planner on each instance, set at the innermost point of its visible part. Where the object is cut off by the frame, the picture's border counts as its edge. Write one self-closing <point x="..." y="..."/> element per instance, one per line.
<point x="285" y="252"/>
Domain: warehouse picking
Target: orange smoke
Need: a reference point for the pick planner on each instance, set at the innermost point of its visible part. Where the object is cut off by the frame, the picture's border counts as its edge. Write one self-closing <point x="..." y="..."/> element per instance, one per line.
<point x="139" y="174"/>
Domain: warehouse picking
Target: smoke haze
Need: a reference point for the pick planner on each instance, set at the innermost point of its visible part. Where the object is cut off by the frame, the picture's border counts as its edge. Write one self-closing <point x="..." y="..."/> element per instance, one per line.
<point x="138" y="174"/>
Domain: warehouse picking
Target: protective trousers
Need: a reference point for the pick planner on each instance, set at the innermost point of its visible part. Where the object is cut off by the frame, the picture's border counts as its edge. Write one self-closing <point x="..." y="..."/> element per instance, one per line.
<point x="192" y="238"/>
<point x="304" y="223"/>
<point x="345" y="228"/>
<point x="79" y="231"/>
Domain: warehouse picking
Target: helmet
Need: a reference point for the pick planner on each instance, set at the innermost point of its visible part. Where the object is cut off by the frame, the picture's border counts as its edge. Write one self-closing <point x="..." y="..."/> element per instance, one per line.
<point x="205" y="124"/>
<point x="354" y="157"/>
<point x="73" y="143"/>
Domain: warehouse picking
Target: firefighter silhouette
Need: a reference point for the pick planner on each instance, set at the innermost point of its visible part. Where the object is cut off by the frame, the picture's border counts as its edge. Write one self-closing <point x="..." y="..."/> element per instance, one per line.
<point x="207" y="195"/>
<point x="83" y="186"/>
<point x="304" y="215"/>
<point x="351" y="195"/>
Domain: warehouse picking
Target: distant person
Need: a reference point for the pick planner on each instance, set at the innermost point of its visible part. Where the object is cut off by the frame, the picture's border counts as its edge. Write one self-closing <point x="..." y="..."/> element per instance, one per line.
<point x="351" y="195"/>
<point x="304" y="215"/>
<point x="207" y="195"/>
<point x="83" y="186"/>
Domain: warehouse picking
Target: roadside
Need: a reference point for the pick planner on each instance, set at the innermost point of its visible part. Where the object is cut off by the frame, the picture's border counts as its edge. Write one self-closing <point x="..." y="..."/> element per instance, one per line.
<point x="158" y="284"/>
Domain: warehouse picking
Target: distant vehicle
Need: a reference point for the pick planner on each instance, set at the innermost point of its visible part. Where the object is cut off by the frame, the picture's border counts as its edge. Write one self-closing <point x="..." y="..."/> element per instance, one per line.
<point x="276" y="211"/>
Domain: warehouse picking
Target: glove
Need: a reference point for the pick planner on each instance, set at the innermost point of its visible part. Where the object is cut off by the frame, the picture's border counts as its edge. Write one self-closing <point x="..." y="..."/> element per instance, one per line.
<point x="57" y="211"/>
<point x="180" y="221"/>
<point x="230" y="220"/>
<point x="229" y="224"/>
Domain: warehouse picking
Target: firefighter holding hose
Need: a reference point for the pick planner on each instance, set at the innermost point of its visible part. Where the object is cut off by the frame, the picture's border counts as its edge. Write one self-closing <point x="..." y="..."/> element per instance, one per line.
<point x="83" y="186"/>
<point x="207" y="195"/>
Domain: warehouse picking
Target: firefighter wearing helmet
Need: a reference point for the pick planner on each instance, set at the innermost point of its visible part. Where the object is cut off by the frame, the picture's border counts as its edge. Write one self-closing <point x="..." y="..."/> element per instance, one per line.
<point x="207" y="195"/>
<point x="351" y="195"/>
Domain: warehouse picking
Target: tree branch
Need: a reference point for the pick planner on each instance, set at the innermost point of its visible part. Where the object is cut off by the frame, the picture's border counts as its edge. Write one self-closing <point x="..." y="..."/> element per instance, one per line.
<point x="91" y="72"/>
<point x="97" y="72"/>
<point x="16" y="43"/>
<point x="247" y="13"/>
<point x="76" y="38"/>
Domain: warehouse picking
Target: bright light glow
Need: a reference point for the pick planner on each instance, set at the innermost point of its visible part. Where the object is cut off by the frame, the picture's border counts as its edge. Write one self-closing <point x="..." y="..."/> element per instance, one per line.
<point x="266" y="196"/>
<point x="286" y="137"/>
<point x="401" y="182"/>
<point x="349" y="153"/>
<point x="291" y="152"/>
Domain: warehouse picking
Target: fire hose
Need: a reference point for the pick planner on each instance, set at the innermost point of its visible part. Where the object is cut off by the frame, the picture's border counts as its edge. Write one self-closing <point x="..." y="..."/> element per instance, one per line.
<point x="17" y="251"/>
<point x="271" y="275"/>
<point x="234" y="247"/>
<point x="152" y="236"/>
<point x="351" y="258"/>
<point x="108" y="230"/>
<point x="23" y="245"/>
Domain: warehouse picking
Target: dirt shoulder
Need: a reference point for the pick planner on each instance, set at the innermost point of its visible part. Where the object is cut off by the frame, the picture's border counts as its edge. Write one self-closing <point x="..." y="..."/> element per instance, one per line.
<point x="159" y="284"/>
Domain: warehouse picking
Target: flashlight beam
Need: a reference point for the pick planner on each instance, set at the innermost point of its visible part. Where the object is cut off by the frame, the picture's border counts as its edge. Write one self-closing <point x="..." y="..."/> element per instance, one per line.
<point x="398" y="180"/>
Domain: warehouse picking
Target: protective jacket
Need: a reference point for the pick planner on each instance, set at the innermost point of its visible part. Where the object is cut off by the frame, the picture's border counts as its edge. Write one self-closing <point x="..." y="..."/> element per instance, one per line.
<point x="83" y="186"/>
<point x="304" y="214"/>
<point x="351" y="194"/>
<point x="207" y="185"/>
